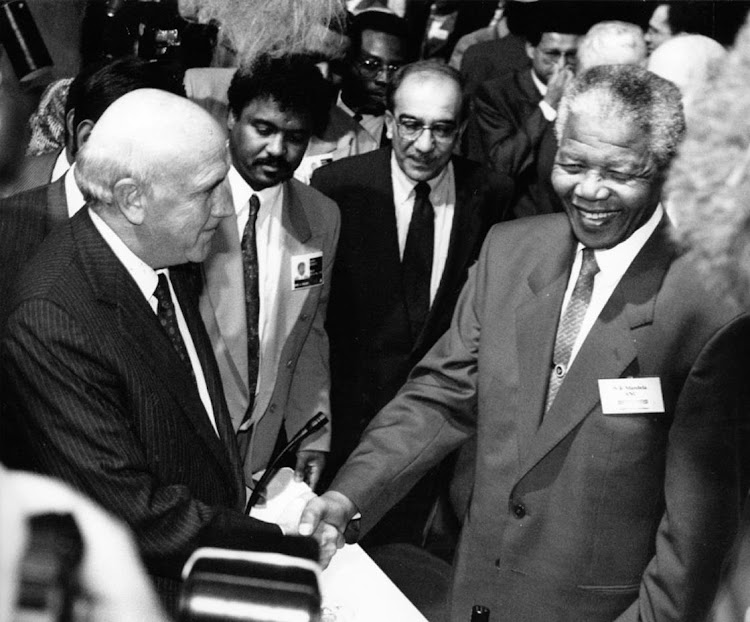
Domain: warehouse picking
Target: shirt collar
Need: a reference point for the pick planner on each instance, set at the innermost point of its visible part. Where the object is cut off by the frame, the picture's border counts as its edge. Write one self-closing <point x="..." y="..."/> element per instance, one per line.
<point x="242" y="191"/>
<point x="540" y="86"/>
<point x="73" y="196"/>
<point x="145" y="276"/>
<point x="61" y="165"/>
<point x="614" y="258"/>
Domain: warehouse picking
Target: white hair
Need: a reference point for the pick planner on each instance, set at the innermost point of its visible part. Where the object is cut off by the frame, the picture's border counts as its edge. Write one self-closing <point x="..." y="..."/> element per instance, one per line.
<point x="612" y="43"/>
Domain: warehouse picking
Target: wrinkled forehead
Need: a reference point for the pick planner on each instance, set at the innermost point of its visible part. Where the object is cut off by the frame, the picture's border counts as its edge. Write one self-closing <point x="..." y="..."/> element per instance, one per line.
<point x="428" y="95"/>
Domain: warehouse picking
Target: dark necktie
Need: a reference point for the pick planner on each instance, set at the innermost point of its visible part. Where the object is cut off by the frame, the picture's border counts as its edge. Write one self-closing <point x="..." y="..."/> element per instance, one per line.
<point x="417" y="261"/>
<point x="252" y="298"/>
<point x="165" y="311"/>
<point x="384" y="140"/>
<point x="570" y="324"/>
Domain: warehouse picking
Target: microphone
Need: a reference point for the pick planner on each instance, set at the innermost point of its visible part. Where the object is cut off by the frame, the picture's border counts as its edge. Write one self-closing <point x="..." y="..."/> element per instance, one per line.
<point x="312" y="426"/>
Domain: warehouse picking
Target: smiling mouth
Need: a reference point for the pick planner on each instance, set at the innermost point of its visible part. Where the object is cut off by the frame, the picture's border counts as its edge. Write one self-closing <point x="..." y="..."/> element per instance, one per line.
<point x="596" y="217"/>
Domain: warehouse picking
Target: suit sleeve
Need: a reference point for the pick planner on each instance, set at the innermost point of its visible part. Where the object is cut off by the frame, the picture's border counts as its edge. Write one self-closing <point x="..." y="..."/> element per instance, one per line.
<point x="432" y="414"/>
<point x="309" y="392"/>
<point x="510" y="144"/>
<point x="73" y="408"/>
<point x="706" y="479"/>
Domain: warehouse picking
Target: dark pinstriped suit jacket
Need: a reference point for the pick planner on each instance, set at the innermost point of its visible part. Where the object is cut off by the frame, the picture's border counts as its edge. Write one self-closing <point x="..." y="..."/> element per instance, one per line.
<point x="103" y="401"/>
<point x="25" y="220"/>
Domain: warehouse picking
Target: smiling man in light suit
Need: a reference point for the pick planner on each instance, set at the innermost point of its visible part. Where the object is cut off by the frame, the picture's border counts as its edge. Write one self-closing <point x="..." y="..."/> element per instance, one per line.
<point x="265" y="320"/>
<point x="603" y="382"/>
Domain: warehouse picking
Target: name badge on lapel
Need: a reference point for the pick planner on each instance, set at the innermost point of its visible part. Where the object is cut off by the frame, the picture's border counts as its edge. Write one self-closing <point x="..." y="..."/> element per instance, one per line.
<point x="625" y="396"/>
<point x="307" y="270"/>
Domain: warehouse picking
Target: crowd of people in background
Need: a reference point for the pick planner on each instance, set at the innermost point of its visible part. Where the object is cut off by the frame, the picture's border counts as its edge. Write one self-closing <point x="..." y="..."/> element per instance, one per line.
<point x="500" y="246"/>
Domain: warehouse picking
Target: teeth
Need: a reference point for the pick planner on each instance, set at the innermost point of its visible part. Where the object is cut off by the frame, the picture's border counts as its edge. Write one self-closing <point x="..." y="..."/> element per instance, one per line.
<point x="596" y="215"/>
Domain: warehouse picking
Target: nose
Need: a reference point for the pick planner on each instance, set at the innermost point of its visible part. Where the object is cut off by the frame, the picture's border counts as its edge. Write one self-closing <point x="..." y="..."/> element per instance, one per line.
<point x="221" y="202"/>
<point x="276" y="145"/>
<point x="424" y="141"/>
<point x="591" y="187"/>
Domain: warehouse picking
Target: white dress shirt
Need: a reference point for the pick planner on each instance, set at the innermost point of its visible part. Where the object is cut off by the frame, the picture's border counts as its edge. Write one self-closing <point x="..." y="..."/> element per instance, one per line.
<point x="613" y="263"/>
<point x="268" y="240"/>
<point x="73" y="196"/>
<point x="443" y="199"/>
<point x="146" y="278"/>
<point x="374" y="125"/>
<point x="60" y="167"/>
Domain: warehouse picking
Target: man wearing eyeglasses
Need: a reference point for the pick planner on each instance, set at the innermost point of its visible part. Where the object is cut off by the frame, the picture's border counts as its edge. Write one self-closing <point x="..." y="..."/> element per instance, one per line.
<point x="413" y="219"/>
<point x="513" y="118"/>
<point x="379" y="46"/>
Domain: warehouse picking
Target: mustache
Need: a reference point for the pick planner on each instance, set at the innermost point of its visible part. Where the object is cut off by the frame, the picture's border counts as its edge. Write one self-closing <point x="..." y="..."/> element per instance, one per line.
<point x="277" y="162"/>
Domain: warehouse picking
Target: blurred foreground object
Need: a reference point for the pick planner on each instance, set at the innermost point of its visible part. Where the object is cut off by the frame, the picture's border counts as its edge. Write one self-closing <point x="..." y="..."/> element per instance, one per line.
<point x="710" y="180"/>
<point x="113" y="584"/>
<point x="708" y="189"/>
<point x="253" y="586"/>
<point x="252" y="27"/>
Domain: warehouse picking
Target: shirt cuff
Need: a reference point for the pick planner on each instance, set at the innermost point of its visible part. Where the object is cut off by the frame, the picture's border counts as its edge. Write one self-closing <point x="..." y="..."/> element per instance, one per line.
<point x="548" y="111"/>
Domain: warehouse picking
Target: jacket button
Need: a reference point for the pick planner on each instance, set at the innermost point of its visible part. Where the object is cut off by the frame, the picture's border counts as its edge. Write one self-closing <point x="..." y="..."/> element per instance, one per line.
<point x="272" y="408"/>
<point x="519" y="510"/>
<point x="289" y="364"/>
<point x="303" y="317"/>
<point x="497" y="563"/>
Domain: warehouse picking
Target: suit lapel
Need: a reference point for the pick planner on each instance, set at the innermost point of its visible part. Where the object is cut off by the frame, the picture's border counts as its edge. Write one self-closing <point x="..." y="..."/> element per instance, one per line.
<point x="296" y="234"/>
<point x="57" y="204"/>
<point x="536" y="323"/>
<point x="527" y="87"/>
<point x="467" y="217"/>
<point x="180" y="277"/>
<point x="139" y="326"/>
<point x="609" y="350"/>
<point x="223" y="305"/>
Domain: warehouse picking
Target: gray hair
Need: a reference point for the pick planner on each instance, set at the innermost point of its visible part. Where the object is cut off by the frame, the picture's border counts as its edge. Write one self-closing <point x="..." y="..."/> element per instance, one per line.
<point x="98" y="170"/>
<point x="629" y="91"/>
<point x="610" y="43"/>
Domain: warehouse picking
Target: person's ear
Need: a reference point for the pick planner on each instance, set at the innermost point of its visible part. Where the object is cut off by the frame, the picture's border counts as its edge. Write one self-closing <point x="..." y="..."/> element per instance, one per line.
<point x="127" y="196"/>
<point x="461" y="130"/>
<point x="530" y="49"/>
<point x="231" y="120"/>
<point x="390" y="125"/>
<point x="70" y="129"/>
<point x="82" y="132"/>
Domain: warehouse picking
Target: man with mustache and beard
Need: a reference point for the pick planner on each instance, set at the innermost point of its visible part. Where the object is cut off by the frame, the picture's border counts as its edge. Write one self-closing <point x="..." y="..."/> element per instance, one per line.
<point x="265" y="321"/>
<point x="413" y="218"/>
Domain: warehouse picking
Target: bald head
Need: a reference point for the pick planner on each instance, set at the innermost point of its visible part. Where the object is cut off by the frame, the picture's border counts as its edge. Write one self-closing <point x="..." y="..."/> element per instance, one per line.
<point x="612" y="43"/>
<point x="154" y="168"/>
<point x="687" y="61"/>
<point x="139" y="135"/>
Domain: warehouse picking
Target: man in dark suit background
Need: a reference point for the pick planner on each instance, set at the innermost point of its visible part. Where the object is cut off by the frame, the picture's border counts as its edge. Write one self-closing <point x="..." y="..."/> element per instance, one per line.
<point x="379" y="46"/>
<point x="391" y="297"/>
<point x="28" y="217"/>
<point x="513" y="118"/>
<point x="114" y="385"/>
<point x="602" y="382"/>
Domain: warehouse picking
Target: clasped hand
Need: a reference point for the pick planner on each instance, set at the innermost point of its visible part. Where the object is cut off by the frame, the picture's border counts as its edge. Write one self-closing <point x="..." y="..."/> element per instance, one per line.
<point x="325" y="518"/>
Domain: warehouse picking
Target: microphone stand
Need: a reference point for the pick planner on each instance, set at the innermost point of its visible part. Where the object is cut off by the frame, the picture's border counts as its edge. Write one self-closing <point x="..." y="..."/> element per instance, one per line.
<point x="312" y="426"/>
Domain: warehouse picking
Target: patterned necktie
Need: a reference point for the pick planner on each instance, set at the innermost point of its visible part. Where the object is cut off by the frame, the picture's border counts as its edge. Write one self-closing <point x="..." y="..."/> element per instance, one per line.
<point x="417" y="261"/>
<point x="570" y="324"/>
<point x="252" y="298"/>
<point x="165" y="311"/>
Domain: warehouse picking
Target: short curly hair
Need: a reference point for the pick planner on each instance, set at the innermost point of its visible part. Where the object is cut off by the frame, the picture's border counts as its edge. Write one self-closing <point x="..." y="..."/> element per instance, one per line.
<point x="292" y="81"/>
<point x="618" y="91"/>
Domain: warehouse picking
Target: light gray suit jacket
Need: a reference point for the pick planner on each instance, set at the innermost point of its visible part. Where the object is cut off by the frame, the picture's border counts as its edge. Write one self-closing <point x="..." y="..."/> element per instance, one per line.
<point x="299" y="385"/>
